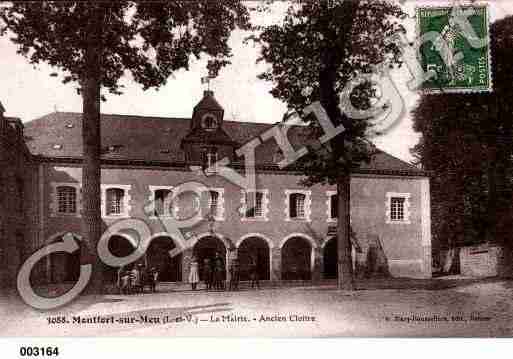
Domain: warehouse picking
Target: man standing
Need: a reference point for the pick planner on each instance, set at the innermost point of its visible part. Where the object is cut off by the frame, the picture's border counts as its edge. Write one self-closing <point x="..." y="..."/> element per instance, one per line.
<point x="218" y="271"/>
<point x="207" y="274"/>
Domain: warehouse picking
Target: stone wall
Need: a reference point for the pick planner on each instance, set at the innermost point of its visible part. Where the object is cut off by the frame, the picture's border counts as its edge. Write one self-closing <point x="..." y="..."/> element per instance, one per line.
<point x="406" y="246"/>
<point x="14" y="190"/>
<point x="485" y="261"/>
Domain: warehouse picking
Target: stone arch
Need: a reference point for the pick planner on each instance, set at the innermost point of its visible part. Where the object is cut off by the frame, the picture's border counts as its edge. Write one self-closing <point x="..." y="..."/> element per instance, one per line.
<point x="312" y="241"/>
<point x="332" y="240"/>
<point x="120" y="245"/>
<point x="297" y="257"/>
<point x="196" y="238"/>
<point x="58" y="235"/>
<point x="157" y="256"/>
<point x="60" y="267"/>
<point x="254" y="247"/>
<point x="204" y="246"/>
<point x="259" y="235"/>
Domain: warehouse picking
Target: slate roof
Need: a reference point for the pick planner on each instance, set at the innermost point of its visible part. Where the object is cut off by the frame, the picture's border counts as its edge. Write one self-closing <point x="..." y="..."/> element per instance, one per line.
<point x="209" y="102"/>
<point x="157" y="139"/>
<point x="219" y="136"/>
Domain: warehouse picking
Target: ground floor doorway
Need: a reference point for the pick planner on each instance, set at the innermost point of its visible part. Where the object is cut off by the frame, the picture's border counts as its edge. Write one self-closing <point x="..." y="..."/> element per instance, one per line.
<point x="206" y="248"/>
<point x="296" y="256"/>
<point x="158" y="257"/>
<point x="254" y="249"/>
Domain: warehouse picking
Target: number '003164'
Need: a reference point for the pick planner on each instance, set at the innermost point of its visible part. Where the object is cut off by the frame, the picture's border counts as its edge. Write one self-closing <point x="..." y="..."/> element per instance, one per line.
<point x="39" y="351"/>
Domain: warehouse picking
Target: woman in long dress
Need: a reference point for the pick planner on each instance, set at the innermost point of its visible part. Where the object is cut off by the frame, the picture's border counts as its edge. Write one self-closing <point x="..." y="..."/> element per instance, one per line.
<point x="194" y="273"/>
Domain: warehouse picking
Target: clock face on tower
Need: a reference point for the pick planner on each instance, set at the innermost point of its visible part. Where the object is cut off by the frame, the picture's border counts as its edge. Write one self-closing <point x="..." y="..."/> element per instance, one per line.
<point x="209" y="122"/>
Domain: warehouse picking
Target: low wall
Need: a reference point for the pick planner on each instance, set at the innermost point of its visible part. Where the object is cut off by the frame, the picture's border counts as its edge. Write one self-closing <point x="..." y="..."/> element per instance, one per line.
<point x="486" y="261"/>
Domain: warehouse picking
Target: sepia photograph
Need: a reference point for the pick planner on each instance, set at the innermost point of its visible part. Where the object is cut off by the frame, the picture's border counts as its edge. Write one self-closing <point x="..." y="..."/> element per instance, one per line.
<point x="256" y="169"/>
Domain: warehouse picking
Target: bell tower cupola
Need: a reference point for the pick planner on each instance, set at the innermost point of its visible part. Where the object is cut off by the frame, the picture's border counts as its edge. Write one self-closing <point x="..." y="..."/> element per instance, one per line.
<point x="208" y="113"/>
<point x="207" y="139"/>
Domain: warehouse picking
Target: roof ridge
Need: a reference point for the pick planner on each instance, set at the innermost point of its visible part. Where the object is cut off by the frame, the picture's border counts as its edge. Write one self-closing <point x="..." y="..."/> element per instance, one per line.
<point x="150" y="117"/>
<point x="397" y="158"/>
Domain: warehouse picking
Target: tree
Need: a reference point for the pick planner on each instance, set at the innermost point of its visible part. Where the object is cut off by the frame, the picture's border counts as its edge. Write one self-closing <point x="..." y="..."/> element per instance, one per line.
<point x="467" y="144"/>
<point x="94" y="43"/>
<point x="319" y="47"/>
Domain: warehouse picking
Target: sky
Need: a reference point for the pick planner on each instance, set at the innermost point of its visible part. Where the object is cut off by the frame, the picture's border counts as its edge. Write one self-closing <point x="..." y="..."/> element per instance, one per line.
<point x="28" y="92"/>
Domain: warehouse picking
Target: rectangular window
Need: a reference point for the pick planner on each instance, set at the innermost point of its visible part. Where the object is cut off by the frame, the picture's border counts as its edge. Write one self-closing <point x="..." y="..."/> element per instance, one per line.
<point x="334" y="206"/>
<point x="115" y="198"/>
<point x="297" y="206"/>
<point x="66" y="199"/>
<point x="254" y="205"/>
<point x="162" y="202"/>
<point x="213" y="203"/>
<point x="397" y="208"/>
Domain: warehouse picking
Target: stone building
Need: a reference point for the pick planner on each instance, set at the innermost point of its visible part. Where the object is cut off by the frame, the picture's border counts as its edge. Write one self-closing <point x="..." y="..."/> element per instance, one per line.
<point x="288" y="231"/>
<point x="15" y="161"/>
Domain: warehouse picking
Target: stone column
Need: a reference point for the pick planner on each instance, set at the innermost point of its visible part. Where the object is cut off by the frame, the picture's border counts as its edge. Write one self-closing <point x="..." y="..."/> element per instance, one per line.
<point x="316" y="264"/>
<point x="186" y="264"/>
<point x="230" y="255"/>
<point x="275" y="264"/>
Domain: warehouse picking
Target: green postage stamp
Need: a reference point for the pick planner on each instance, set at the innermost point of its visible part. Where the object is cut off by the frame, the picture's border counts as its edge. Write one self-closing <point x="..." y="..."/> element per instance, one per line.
<point x="455" y="48"/>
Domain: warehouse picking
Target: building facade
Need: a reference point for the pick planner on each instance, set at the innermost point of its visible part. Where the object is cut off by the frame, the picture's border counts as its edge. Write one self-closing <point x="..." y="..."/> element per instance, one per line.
<point x="15" y="161"/>
<point x="288" y="229"/>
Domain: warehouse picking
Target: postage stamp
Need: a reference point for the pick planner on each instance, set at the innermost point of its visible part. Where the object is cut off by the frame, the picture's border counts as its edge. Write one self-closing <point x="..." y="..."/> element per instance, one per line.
<point x="454" y="48"/>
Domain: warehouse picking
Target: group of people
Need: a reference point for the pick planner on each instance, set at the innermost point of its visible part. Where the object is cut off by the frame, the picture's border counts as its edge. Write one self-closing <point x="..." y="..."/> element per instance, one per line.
<point x="133" y="280"/>
<point x="213" y="273"/>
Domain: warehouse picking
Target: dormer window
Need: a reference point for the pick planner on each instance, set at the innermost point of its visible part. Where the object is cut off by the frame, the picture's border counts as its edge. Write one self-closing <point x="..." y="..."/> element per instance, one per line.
<point x="209" y="122"/>
<point x="112" y="149"/>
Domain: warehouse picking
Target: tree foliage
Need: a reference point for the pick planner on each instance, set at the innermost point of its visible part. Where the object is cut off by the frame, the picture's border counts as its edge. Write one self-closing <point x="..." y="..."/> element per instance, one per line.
<point x="319" y="34"/>
<point x="313" y="54"/>
<point x="149" y="39"/>
<point x="467" y="145"/>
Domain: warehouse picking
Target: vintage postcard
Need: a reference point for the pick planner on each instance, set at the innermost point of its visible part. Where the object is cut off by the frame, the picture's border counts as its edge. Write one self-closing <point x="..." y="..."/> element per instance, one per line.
<point x="256" y="169"/>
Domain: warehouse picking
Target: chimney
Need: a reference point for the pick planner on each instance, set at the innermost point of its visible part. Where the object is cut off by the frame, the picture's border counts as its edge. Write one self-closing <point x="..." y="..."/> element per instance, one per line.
<point x="208" y="93"/>
<point x="17" y="125"/>
<point x="3" y="121"/>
